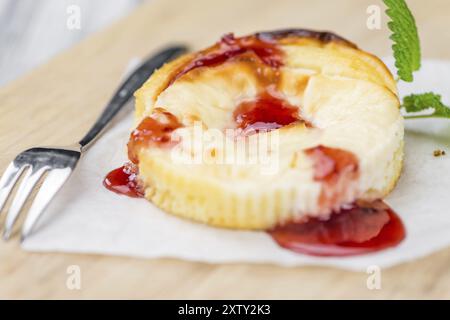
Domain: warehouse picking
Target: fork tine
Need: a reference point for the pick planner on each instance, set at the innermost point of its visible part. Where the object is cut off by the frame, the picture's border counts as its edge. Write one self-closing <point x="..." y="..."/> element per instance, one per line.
<point x="7" y="182"/>
<point x="52" y="183"/>
<point x="29" y="181"/>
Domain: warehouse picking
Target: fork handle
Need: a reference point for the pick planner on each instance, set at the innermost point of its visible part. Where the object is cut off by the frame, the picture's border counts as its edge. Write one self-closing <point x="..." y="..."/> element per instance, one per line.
<point x="126" y="90"/>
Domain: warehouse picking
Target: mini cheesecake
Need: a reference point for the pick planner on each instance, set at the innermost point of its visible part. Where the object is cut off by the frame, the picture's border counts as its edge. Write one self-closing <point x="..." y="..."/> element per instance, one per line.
<point x="327" y="111"/>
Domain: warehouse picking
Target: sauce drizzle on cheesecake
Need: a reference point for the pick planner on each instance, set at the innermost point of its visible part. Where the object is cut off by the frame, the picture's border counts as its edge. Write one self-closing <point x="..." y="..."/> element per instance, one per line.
<point x="124" y="181"/>
<point x="266" y="112"/>
<point x="156" y="129"/>
<point x="229" y="47"/>
<point x="354" y="229"/>
<point x="337" y="170"/>
<point x="357" y="229"/>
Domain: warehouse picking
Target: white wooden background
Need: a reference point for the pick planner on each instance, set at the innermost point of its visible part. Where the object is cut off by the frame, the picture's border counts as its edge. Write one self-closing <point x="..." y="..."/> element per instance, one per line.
<point x="32" y="31"/>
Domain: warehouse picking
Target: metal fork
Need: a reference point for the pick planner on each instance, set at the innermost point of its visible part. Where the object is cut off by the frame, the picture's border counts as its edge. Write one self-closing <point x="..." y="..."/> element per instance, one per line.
<point x="59" y="162"/>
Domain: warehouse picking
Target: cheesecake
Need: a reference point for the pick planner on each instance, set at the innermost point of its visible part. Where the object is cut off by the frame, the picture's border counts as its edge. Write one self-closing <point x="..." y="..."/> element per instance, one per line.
<point x="260" y="130"/>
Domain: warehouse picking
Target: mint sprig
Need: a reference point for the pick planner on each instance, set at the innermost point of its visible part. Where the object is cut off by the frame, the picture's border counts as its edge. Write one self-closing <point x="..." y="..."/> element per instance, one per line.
<point x="426" y="101"/>
<point x="406" y="49"/>
<point x="406" y="45"/>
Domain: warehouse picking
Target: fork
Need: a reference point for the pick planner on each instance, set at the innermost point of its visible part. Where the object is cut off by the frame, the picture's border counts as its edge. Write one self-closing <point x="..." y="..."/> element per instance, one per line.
<point x="59" y="162"/>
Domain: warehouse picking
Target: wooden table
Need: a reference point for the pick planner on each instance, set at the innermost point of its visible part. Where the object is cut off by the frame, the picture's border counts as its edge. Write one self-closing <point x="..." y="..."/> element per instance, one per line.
<point x="58" y="102"/>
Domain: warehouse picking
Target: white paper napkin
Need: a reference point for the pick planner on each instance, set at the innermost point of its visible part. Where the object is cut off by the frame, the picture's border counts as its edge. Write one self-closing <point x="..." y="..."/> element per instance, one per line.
<point x="87" y="218"/>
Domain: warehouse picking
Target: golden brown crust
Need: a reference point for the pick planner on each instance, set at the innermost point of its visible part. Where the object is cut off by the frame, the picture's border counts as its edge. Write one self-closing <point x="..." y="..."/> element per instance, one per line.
<point x="321" y="36"/>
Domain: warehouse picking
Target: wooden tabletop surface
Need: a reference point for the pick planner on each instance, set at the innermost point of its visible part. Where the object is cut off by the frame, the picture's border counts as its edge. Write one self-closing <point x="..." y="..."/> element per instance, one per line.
<point x="56" y="104"/>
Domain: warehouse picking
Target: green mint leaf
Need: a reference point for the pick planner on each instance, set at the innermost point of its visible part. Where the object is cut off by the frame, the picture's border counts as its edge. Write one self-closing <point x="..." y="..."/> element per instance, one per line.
<point x="406" y="45"/>
<point x="425" y="101"/>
